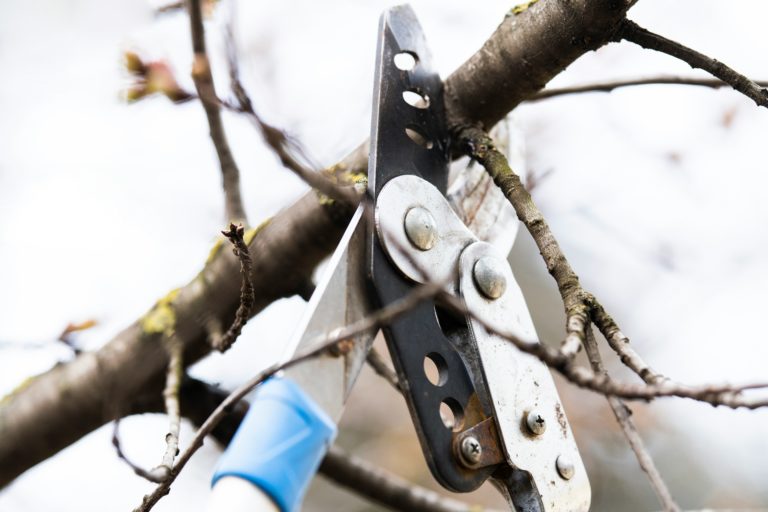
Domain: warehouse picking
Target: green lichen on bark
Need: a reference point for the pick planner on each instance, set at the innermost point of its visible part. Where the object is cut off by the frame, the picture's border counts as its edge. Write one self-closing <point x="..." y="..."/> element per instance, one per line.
<point x="161" y="319"/>
<point x="250" y="234"/>
<point x="19" y="388"/>
<point x="521" y="8"/>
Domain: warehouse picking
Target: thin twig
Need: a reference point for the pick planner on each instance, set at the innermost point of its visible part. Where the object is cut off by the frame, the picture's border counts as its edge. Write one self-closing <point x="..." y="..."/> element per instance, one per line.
<point x="172" y="409"/>
<point x="580" y="305"/>
<point x="620" y="344"/>
<point x="383" y="487"/>
<point x="577" y="302"/>
<point x="247" y="298"/>
<point x="288" y="149"/>
<point x="624" y="417"/>
<point x="631" y="31"/>
<point x="337" y="343"/>
<point x="201" y="74"/>
<point x="616" y="84"/>
<point x="143" y="473"/>
<point x="376" y="362"/>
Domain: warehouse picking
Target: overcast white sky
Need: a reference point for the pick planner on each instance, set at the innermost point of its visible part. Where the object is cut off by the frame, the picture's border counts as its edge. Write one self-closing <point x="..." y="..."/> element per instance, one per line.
<point x="656" y="193"/>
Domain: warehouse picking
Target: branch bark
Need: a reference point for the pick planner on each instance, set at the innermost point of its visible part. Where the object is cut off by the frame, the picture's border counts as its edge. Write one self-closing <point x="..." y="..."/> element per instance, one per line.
<point x="612" y="85"/>
<point x="58" y="407"/>
<point x="623" y="416"/>
<point x="631" y="31"/>
<point x="201" y="74"/>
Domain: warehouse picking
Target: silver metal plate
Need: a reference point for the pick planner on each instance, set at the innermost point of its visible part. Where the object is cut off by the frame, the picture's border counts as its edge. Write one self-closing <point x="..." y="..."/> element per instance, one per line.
<point x="519" y="383"/>
<point x="438" y="264"/>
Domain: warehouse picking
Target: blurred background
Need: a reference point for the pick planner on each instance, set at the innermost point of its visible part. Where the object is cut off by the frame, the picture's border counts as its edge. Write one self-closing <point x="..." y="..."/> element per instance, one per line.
<point x="656" y="193"/>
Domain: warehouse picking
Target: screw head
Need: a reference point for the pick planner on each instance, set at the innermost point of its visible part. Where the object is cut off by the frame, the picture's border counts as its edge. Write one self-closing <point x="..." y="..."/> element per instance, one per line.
<point x="565" y="467"/>
<point x="536" y="422"/>
<point x="471" y="450"/>
<point x="489" y="276"/>
<point x="421" y="228"/>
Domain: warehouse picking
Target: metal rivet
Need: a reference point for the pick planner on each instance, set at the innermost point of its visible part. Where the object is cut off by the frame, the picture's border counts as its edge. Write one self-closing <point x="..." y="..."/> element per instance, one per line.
<point x="421" y="228"/>
<point x="536" y="422"/>
<point x="565" y="467"/>
<point x="489" y="276"/>
<point x="471" y="450"/>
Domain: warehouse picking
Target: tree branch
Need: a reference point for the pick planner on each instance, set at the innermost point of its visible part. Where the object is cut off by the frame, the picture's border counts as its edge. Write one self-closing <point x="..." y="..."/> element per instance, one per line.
<point x="617" y="84"/>
<point x="289" y="150"/>
<point x="527" y="50"/>
<point x="390" y="490"/>
<point x="631" y="31"/>
<point x="172" y="408"/>
<point x="243" y="313"/>
<point x="624" y="417"/>
<point x="376" y="362"/>
<point x="201" y="74"/>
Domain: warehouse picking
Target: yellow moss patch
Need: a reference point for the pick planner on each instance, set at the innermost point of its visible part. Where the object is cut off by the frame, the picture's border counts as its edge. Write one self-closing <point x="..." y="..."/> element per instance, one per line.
<point x="522" y="7"/>
<point x="249" y="235"/>
<point x="161" y="319"/>
<point x="24" y="383"/>
<point x="214" y="251"/>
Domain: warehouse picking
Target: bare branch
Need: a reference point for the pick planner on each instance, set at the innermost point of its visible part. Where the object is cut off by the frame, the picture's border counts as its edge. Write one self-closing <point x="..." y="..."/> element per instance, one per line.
<point x="631" y="31"/>
<point x="172" y="408"/>
<point x="143" y="473"/>
<point x="201" y="74"/>
<point x="620" y="344"/>
<point x="288" y="149"/>
<point x="376" y="362"/>
<point x="617" y="84"/>
<point x="580" y="305"/>
<point x="379" y="485"/>
<point x="525" y="53"/>
<point x="624" y="417"/>
<point x="247" y="299"/>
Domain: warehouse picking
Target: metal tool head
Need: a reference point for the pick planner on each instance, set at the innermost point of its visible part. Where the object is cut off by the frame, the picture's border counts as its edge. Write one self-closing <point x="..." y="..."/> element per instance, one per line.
<point x="487" y="384"/>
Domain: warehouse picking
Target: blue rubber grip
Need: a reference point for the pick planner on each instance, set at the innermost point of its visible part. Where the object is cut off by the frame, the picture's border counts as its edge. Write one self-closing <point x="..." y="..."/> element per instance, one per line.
<point x="280" y="443"/>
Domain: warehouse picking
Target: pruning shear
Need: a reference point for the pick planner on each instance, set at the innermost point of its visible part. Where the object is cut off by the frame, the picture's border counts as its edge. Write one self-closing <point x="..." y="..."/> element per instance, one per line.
<point x="490" y="412"/>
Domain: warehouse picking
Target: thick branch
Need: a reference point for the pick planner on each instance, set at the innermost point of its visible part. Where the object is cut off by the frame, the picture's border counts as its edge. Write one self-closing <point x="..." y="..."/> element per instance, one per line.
<point x="70" y="400"/>
<point x="633" y="32"/>
<point x="527" y="50"/>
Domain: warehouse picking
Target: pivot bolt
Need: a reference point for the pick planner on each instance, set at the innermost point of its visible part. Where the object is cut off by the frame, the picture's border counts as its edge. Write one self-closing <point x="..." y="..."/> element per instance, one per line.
<point x="471" y="450"/>
<point x="565" y="467"/>
<point x="421" y="228"/>
<point x="489" y="276"/>
<point x="536" y="422"/>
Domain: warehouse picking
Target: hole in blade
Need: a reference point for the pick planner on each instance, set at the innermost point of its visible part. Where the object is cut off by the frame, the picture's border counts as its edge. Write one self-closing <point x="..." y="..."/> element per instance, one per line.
<point x="416" y="99"/>
<point x="417" y="135"/>
<point x="450" y="323"/>
<point x="405" y="61"/>
<point x="452" y="414"/>
<point x="436" y="369"/>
